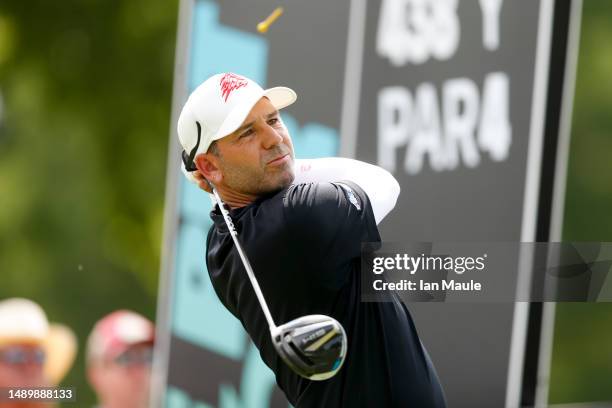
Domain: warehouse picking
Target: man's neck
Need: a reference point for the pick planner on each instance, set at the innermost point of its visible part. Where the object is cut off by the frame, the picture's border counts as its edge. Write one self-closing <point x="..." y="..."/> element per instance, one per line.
<point x="235" y="199"/>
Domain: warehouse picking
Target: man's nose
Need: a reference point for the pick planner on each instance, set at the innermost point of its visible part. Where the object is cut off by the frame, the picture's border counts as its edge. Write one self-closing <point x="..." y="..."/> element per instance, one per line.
<point x="270" y="137"/>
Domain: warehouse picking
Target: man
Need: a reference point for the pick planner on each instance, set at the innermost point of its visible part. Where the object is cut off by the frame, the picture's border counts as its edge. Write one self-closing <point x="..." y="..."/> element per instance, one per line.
<point x="119" y="355"/>
<point x="302" y="224"/>
<point x="23" y="333"/>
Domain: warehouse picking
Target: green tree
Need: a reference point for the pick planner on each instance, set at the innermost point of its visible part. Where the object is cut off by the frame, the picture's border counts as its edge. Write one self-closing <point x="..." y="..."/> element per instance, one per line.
<point x="86" y="90"/>
<point x="582" y="352"/>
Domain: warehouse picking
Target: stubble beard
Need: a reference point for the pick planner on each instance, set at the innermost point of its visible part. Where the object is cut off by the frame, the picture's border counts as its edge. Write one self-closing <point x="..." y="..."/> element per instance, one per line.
<point x="260" y="182"/>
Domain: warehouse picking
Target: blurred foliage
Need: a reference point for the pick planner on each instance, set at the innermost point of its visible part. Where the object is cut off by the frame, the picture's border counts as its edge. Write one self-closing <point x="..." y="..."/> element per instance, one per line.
<point x="85" y="90"/>
<point x="582" y="352"/>
<point x="85" y="113"/>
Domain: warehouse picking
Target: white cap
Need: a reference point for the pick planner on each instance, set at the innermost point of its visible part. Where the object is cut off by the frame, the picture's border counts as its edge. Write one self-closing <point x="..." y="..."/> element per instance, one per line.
<point x="220" y="105"/>
<point x="22" y="320"/>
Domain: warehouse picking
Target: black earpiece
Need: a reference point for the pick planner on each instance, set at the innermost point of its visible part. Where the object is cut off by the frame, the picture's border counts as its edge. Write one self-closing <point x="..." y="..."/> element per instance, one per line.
<point x="188" y="158"/>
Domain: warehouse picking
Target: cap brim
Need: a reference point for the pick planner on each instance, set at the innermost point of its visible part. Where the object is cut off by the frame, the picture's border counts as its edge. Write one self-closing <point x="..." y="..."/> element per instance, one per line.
<point x="61" y="348"/>
<point x="21" y="339"/>
<point x="279" y="96"/>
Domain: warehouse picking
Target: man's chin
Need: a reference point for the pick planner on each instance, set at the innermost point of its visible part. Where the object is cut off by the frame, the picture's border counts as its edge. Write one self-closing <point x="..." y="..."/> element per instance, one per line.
<point x="280" y="183"/>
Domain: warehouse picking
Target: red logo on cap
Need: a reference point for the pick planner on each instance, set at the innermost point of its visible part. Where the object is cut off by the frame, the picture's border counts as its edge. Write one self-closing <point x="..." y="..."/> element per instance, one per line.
<point x="231" y="82"/>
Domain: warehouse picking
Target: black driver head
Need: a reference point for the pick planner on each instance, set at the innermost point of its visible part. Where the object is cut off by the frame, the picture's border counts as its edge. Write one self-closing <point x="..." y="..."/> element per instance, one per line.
<point x="313" y="346"/>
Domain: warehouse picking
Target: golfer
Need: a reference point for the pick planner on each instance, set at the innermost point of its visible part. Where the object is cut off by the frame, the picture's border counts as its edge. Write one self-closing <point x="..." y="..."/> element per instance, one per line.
<point x="302" y="223"/>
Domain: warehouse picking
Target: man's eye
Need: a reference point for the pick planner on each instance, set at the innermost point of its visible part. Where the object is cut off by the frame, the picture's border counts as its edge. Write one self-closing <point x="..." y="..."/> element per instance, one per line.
<point x="273" y="121"/>
<point x="246" y="133"/>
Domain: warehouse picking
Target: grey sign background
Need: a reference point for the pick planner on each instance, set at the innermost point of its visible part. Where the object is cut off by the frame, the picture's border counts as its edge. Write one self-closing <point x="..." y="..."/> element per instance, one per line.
<point x="471" y="344"/>
<point x="490" y="196"/>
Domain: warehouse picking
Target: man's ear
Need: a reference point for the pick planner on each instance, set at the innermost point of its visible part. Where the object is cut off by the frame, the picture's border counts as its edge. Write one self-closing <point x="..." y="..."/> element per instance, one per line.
<point x="208" y="166"/>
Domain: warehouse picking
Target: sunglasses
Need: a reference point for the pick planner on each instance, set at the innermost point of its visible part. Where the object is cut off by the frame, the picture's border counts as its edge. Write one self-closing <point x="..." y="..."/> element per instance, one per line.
<point x="188" y="158"/>
<point x="135" y="357"/>
<point x="22" y="355"/>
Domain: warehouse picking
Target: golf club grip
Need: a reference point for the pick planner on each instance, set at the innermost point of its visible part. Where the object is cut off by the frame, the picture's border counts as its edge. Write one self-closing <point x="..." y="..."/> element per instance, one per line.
<point x="245" y="261"/>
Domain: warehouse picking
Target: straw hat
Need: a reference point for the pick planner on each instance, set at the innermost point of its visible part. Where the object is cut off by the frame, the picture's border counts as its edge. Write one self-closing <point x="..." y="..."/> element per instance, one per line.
<point x="25" y="322"/>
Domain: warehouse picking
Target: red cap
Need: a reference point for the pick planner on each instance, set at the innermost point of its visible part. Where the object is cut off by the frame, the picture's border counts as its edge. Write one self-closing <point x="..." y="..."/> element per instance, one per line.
<point x="116" y="332"/>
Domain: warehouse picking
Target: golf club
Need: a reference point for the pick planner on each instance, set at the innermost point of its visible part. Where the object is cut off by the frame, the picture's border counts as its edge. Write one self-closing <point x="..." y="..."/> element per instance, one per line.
<point x="313" y="346"/>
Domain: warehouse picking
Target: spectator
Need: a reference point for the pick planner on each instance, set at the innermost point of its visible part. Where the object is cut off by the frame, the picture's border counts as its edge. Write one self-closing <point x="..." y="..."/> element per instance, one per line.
<point x="119" y="355"/>
<point x="32" y="354"/>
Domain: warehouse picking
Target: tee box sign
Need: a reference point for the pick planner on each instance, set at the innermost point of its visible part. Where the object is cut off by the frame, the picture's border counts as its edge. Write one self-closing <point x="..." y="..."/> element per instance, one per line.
<point x="450" y="97"/>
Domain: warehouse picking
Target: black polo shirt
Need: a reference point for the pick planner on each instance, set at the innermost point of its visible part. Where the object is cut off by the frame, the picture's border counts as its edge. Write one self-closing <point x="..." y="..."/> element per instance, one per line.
<point x="304" y="244"/>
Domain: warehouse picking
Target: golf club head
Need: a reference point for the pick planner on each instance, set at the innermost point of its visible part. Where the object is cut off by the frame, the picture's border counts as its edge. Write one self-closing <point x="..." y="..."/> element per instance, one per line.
<point x="313" y="346"/>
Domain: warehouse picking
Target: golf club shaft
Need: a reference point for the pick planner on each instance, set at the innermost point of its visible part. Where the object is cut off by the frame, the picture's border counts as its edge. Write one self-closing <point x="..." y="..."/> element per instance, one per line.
<point x="245" y="260"/>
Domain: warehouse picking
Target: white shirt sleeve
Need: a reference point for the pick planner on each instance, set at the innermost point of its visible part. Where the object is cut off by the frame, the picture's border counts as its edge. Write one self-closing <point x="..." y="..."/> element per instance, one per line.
<point x="380" y="186"/>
